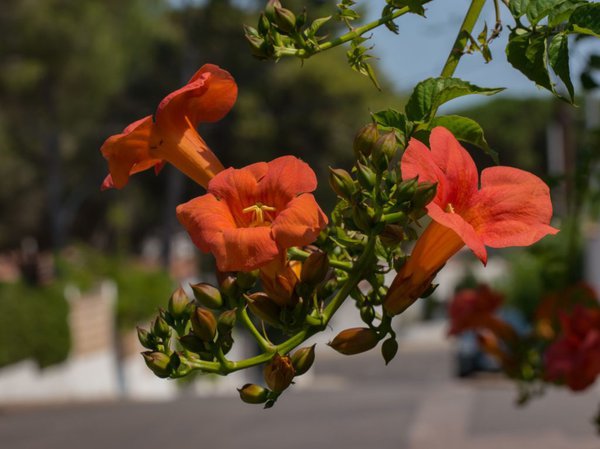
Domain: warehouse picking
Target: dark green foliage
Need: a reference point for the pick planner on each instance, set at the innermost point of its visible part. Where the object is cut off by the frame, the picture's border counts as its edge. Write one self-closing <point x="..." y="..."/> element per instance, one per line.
<point x="33" y="324"/>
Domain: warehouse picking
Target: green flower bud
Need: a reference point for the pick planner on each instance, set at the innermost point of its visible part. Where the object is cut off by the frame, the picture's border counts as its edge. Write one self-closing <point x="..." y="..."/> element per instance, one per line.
<point x="257" y="45"/>
<point x="246" y="279"/>
<point x="207" y="295"/>
<point x="367" y="314"/>
<point x="354" y="340"/>
<point x="385" y="148"/>
<point x="285" y="19"/>
<point x="365" y="140"/>
<point x="303" y="359"/>
<point x="263" y="25"/>
<point x="424" y="194"/>
<point x="392" y="235"/>
<point x="204" y="324"/>
<point x="230" y="287"/>
<point x="363" y="217"/>
<point x="160" y="328"/>
<point x="147" y="340"/>
<point x="279" y="373"/>
<point x="341" y="182"/>
<point x="406" y="190"/>
<point x="270" y="9"/>
<point x="366" y="177"/>
<point x="193" y="343"/>
<point x="226" y="321"/>
<point x="253" y="394"/>
<point x="225" y="341"/>
<point x="389" y="348"/>
<point x="264" y="308"/>
<point x="314" y="269"/>
<point x="159" y="363"/>
<point x="179" y="305"/>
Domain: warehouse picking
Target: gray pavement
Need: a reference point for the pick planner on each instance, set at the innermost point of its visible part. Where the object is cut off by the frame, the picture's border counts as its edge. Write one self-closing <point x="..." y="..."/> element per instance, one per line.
<point x="353" y="402"/>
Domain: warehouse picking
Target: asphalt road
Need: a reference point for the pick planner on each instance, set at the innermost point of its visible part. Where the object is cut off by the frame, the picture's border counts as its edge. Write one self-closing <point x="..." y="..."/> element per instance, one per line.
<point x="352" y="403"/>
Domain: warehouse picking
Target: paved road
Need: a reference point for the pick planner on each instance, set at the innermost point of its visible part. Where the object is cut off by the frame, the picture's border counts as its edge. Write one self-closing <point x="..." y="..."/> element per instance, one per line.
<point x="355" y="403"/>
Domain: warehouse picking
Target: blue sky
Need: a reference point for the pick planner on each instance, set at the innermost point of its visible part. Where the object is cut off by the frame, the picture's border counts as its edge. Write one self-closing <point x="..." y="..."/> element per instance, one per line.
<point x="421" y="48"/>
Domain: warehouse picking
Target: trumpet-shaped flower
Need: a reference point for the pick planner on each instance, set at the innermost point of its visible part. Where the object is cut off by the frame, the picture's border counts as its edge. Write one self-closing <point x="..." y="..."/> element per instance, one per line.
<point x="575" y="357"/>
<point x="251" y="215"/>
<point x="511" y="208"/>
<point x="170" y="135"/>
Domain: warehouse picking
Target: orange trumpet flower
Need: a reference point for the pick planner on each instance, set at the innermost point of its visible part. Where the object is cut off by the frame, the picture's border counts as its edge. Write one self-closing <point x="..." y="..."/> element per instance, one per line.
<point x="251" y="215"/>
<point x="512" y="208"/>
<point x="171" y="136"/>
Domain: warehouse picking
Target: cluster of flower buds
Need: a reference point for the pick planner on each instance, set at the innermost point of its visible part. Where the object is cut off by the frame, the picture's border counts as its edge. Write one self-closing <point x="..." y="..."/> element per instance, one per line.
<point x="281" y="32"/>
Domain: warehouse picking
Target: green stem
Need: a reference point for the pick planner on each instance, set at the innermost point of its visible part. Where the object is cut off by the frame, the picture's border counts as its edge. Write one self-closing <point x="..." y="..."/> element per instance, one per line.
<point x="243" y="317"/>
<point x="462" y="38"/>
<point x="297" y="253"/>
<point x="357" y="32"/>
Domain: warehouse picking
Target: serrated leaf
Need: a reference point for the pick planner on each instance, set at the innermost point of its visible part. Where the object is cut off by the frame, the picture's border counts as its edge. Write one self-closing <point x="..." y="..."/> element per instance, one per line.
<point x="527" y="53"/>
<point x="390" y="118"/>
<point x="431" y="93"/>
<point x="586" y="19"/>
<point x="558" y="56"/>
<point x="518" y="7"/>
<point x="562" y="12"/>
<point x="465" y="130"/>
<point x="538" y="9"/>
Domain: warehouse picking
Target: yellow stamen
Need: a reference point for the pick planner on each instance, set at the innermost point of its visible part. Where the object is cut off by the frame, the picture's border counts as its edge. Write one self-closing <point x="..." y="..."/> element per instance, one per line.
<point x="449" y="208"/>
<point x="260" y="212"/>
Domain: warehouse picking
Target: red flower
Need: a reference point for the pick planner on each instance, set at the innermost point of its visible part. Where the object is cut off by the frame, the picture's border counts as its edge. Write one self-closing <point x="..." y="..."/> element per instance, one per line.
<point x="512" y="208"/>
<point x="251" y="215"/>
<point x="471" y="308"/>
<point x="171" y="136"/>
<point x="575" y="357"/>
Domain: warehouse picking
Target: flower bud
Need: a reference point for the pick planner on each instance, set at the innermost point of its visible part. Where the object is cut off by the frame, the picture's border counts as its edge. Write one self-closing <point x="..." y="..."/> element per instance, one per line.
<point x="253" y="394"/>
<point x="366" y="177"/>
<point x="226" y="321"/>
<point x="204" y="324"/>
<point x="257" y="46"/>
<point x="246" y="279"/>
<point x="179" y="305"/>
<point x="270" y="9"/>
<point x="229" y="286"/>
<point x="424" y="194"/>
<point x="147" y="340"/>
<point x="362" y="216"/>
<point x="406" y="190"/>
<point x="160" y="328"/>
<point x="392" y="235"/>
<point x="341" y="182"/>
<point x="303" y="359"/>
<point x="367" y="314"/>
<point x="263" y="25"/>
<point x="385" y="148"/>
<point x="365" y="140"/>
<point x="354" y="340"/>
<point x="193" y="343"/>
<point x="264" y="308"/>
<point x="207" y="295"/>
<point x="314" y="269"/>
<point x="159" y="363"/>
<point x="279" y="373"/>
<point x="389" y="348"/>
<point x="285" y="19"/>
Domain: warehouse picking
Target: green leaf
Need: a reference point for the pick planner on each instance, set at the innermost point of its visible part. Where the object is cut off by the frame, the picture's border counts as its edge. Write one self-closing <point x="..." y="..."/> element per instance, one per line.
<point x="465" y="130"/>
<point x="586" y="19"/>
<point x="317" y="24"/>
<point x="538" y="9"/>
<point x="414" y="6"/>
<point x="558" y="55"/>
<point x="562" y="12"/>
<point x="518" y="7"/>
<point x="527" y="53"/>
<point x="430" y="94"/>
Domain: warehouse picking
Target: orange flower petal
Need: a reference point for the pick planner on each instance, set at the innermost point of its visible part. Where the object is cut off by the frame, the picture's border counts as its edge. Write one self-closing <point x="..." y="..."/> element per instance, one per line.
<point x="458" y="167"/>
<point x="246" y="249"/>
<point x="239" y="189"/>
<point x="513" y="208"/>
<point x="299" y="223"/>
<point x="205" y="218"/>
<point x="287" y="176"/>
<point x="129" y="152"/>
<point x="207" y="97"/>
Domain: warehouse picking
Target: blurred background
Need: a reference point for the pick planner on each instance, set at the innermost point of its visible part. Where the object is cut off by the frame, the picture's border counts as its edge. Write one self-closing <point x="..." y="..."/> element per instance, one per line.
<point x="80" y="268"/>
